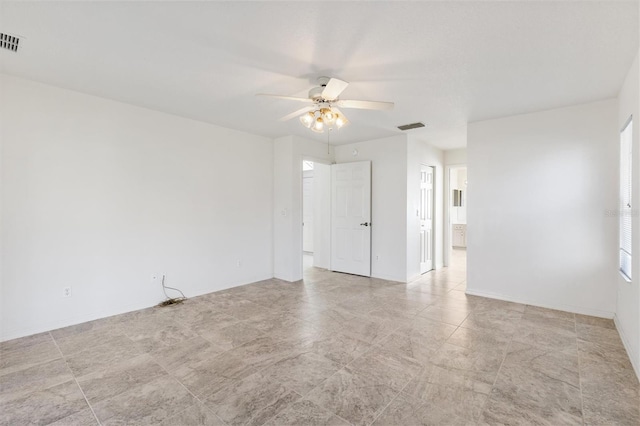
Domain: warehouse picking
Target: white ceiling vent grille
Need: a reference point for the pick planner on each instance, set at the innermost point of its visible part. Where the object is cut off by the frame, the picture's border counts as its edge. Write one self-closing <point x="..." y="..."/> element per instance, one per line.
<point x="9" y="42"/>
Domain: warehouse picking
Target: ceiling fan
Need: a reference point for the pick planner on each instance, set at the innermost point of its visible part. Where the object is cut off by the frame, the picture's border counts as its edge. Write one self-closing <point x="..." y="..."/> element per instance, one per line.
<point x="323" y="105"/>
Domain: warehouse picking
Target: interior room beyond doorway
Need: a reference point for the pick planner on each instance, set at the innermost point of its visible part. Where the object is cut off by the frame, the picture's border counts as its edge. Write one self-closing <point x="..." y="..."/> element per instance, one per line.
<point x="316" y="211"/>
<point x="458" y="213"/>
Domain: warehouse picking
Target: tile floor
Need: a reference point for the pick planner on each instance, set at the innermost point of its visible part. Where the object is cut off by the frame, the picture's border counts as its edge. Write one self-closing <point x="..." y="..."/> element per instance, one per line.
<point x="335" y="349"/>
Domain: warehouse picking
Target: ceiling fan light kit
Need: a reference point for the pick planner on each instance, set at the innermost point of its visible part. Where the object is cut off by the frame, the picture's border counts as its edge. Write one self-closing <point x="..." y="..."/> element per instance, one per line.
<point x="323" y="117"/>
<point x="324" y="99"/>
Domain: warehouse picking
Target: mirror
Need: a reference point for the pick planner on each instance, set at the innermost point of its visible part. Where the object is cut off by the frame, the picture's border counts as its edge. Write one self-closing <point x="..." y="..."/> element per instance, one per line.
<point x="457" y="198"/>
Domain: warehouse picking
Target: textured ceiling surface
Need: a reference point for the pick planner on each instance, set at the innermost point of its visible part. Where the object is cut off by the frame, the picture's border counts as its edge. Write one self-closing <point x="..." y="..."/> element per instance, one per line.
<point x="442" y="63"/>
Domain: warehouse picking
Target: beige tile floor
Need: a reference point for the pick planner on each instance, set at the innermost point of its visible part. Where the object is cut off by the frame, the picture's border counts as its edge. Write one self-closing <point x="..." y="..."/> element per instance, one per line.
<point x="335" y="349"/>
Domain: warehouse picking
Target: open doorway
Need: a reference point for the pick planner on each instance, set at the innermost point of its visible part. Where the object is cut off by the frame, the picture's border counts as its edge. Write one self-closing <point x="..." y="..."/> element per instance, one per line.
<point x="458" y="216"/>
<point x="316" y="211"/>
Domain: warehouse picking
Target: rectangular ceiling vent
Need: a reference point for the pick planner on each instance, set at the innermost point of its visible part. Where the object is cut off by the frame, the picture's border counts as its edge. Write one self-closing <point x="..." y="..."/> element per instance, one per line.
<point x="9" y="42"/>
<point x="411" y="126"/>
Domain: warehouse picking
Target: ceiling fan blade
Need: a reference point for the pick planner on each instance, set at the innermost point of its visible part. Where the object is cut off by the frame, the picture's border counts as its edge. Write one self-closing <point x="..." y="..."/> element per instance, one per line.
<point x="334" y="88"/>
<point x="296" y="113"/>
<point x="289" y="98"/>
<point x="347" y="103"/>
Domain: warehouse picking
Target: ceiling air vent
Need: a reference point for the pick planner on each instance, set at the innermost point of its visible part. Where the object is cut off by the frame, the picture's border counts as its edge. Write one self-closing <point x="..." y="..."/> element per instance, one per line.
<point x="411" y="126"/>
<point x="9" y="42"/>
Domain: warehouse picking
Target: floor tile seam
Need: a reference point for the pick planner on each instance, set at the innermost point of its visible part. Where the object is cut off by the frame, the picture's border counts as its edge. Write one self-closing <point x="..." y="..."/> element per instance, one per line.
<point x="75" y="379"/>
<point x="28" y="366"/>
<point x="579" y="374"/>
<point x="401" y="391"/>
<point x="5" y="352"/>
<point x="225" y="351"/>
<point x="151" y="353"/>
<point x="600" y="343"/>
<point x="49" y="386"/>
<point x="181" y="323"/>
<point x="495" y="380"/>
<point x="343" y="367"/>
<point x="258" y="370"/>
<point x="300" y="397"/>
<point x="537" y="318"/>
<point x="246" y="323"/>
<point x="507" y="344"/>
<point x="190" y="393"/>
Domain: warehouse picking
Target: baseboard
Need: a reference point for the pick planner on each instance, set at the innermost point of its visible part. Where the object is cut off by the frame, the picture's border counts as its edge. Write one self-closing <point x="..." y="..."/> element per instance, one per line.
<point x="389" y="278"/>
<point x="254" y="279"/>
<point x="16" y="333"/>
<point x="625" y="342"/>
<point x="557" y="306"/>
<point x="413" y="277"/>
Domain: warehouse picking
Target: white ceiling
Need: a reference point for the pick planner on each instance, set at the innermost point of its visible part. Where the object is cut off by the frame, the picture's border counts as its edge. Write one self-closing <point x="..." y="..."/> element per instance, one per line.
<point x="443" y="63"/>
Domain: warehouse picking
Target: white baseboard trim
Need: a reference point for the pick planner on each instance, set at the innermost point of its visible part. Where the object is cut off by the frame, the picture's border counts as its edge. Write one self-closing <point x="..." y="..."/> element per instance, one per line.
<point x="15" y="333"/>
<point x="284" y="277"/>
<point x="557" y="306"/>
<point x="389" y="278"/>
<point x="625" y="342"/>
<point x="413" y="277"/>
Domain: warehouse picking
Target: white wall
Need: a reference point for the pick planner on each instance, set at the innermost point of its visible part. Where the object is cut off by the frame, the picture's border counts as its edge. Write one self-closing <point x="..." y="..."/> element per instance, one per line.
<point x="99" y="195"/>
<point x="539" y="185"/>
<point x="418" y="153"/>
<point x="289" y="151"/>
<point x="388" y="158"/>
<point x="628" y="297"/>
<point x="322" y="215"/>
<point x="283" y="177"/>
<point x="455" y="157"/>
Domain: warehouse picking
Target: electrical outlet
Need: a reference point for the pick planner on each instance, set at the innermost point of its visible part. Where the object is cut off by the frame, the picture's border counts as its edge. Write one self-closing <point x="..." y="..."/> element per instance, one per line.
<point x="155" y="278"/>
<point x="377" y="257"/>
<point x="66" y="292"/>
<point x="239" y="263"/>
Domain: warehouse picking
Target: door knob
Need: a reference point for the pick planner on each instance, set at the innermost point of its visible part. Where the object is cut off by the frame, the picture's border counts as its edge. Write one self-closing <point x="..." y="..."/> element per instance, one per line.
<point x="365" y="224"/>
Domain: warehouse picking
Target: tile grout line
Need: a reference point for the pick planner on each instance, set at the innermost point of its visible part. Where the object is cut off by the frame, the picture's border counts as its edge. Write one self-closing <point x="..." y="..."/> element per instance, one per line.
<point x="575" y="325"/>
<point x="410" y="380"/>
<point x="188" y="390"/>
<point x="506" y="352"/>
<point x="76" y="380"/>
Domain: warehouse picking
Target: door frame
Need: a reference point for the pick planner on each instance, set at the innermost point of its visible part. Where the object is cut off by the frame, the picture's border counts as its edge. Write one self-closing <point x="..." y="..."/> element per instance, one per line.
<point x="300" y="244"/>
<point x="448" y="240"/>
<point x="433" y="219"/>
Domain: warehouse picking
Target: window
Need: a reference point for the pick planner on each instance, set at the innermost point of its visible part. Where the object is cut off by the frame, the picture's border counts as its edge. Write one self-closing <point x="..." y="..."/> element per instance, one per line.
<point x="626" y="138"/>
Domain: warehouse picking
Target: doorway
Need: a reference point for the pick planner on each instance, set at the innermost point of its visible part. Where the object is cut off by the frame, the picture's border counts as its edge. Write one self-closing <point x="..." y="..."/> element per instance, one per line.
<point x="457" y="205"/>
<point x="336" y="217"/>
<point x="316" y="202"/>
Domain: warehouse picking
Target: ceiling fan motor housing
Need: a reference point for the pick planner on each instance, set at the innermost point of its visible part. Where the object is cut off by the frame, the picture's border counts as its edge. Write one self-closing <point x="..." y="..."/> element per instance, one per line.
<point x="316" y="93"/>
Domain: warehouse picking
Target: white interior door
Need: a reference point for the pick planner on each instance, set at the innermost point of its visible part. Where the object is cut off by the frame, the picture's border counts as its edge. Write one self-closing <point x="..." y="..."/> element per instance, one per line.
<point x="426" y="218"/>
<point x="351" y="218"/>
<point x="307" y="212"/>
